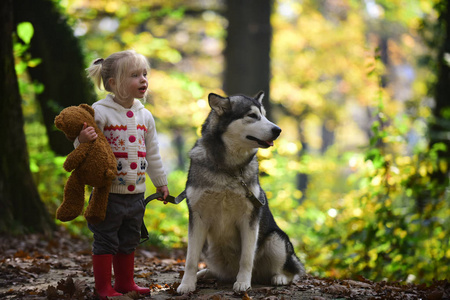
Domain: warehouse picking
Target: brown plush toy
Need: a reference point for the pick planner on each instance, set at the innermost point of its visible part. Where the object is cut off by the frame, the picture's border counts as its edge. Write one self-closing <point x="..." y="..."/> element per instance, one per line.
<point x="93" y="164"/>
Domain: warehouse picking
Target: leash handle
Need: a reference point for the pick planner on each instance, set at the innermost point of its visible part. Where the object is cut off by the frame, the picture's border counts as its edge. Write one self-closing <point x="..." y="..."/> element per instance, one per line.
<point x="171" y="199"/>
<point x="152" y="197"/>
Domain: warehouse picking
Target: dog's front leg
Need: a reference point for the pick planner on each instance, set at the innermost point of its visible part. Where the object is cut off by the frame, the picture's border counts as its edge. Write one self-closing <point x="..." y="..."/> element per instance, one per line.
<point x="248" y="249"/>
<point x="196" y="240"/>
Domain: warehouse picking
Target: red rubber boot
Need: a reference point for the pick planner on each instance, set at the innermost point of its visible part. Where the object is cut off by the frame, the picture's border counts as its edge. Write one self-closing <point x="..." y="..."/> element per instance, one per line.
<point x="102" y="276"/>
<point x="124" y="274"/>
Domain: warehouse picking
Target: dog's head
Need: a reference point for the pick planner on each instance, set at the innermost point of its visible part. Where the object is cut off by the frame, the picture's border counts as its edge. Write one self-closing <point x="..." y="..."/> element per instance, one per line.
<point x="240" y="121"/>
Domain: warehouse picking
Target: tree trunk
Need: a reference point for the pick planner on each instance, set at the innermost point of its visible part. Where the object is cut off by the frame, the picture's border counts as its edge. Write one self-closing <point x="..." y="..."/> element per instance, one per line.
<point x="62" y="70"/>
<point x="328" y="136"/>
<point x="21" y="209"/>
<point x="247" y="52"/>
<point x="302" y="179"/>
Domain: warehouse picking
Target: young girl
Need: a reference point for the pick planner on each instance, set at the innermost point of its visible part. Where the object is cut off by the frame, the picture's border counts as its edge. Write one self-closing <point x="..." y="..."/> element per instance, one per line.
<point x="130" y="130"/>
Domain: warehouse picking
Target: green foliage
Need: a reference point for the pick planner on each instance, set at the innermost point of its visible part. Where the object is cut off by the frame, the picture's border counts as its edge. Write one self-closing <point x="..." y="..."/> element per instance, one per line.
<point x="395" y="224"/>
<point x="25" y="31"/>
<point x="47" y="168"/>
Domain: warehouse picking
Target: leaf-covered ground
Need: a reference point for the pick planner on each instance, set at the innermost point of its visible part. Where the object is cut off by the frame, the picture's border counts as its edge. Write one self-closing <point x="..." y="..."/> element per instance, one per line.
<point x="35" y="267"/>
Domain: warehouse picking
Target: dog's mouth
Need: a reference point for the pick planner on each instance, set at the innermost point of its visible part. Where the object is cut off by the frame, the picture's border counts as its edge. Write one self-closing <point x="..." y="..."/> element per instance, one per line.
<point x="263" y="144"/>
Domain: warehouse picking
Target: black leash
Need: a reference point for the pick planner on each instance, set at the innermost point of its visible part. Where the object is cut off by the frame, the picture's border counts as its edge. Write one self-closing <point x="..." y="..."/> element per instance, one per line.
<point x="170" y="199"/>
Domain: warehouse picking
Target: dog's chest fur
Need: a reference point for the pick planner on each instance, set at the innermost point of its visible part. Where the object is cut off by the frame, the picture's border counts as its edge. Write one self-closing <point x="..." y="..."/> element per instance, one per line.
<point x="221" y="210"/>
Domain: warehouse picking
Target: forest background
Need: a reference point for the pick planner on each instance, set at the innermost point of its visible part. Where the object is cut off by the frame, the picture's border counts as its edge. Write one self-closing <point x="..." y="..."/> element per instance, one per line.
<point x="358" y="178"/>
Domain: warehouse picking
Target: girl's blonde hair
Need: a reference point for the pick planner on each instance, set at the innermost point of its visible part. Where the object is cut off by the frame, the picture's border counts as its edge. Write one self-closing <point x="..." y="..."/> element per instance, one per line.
<point x="116" y="66"/>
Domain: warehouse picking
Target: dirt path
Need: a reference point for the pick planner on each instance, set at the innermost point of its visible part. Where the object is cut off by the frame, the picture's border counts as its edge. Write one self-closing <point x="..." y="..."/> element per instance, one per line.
<point x="34" y="267"/>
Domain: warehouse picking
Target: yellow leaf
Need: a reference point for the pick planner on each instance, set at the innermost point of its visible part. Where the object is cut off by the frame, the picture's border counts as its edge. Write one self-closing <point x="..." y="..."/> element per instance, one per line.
<point x="400" y="233"/>
<point x="423" y="170"/>
<point x="376" y="180"/>
<point x="443" y="166"/>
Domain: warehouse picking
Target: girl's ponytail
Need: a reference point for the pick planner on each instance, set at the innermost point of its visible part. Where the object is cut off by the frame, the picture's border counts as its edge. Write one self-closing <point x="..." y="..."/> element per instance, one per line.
<point x="95" y="72"/>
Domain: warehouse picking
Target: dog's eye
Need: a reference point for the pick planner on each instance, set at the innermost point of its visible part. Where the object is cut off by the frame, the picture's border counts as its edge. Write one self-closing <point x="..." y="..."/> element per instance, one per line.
<point x="253" y="116"/>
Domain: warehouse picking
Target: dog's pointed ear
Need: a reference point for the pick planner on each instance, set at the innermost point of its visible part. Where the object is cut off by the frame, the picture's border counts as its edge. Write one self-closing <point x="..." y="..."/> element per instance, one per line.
<point x="260" y="96"/>
<point x="219" y="104"/>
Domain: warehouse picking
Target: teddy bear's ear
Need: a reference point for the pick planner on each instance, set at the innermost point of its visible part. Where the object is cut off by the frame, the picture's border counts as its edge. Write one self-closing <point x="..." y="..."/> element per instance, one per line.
<point x="88" y="108"/>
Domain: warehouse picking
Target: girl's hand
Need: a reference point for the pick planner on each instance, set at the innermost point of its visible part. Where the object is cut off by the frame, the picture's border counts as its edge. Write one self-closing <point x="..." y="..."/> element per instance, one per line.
<point x="163" y="190"/>
<point x="87" y="134"/>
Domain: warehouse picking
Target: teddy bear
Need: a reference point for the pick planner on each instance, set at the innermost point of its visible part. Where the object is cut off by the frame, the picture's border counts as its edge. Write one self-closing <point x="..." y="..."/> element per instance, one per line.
<point x="91" y="163"/>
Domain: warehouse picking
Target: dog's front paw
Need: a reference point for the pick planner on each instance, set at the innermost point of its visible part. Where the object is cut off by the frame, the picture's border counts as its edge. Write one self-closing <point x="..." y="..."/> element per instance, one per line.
<point x="185" y="288"/>
<point x="241" y="286"/>
<point x="280" y="279"/>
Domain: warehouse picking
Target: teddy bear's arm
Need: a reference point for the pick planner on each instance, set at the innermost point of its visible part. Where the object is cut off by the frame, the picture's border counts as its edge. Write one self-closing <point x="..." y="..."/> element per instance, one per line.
<point x="76" y="157"/>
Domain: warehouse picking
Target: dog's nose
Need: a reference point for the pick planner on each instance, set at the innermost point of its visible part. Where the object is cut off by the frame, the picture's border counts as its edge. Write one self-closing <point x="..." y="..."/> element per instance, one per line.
<point x="276" y="131"/>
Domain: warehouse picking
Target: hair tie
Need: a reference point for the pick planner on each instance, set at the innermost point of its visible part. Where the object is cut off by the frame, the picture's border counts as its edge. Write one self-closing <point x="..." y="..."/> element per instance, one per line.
<point x="98" y="61"/>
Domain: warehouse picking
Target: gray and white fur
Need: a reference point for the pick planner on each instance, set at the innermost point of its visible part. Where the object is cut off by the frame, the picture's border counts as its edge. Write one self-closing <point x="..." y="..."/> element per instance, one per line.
<point x="239" y="238"/>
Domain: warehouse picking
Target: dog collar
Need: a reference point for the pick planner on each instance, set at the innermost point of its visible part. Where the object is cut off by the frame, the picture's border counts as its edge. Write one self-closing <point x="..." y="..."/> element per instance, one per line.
<point x="248" y="193"/>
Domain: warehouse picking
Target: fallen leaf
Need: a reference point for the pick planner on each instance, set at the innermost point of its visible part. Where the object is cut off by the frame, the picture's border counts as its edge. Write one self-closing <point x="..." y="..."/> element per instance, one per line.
<point x="67" y="286"/>
<point x="21" y="254"/>
<point x="354" y="283"/>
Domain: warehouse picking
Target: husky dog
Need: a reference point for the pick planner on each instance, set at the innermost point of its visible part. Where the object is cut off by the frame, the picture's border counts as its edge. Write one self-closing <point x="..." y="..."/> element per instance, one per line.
<point x="229" y="217"/>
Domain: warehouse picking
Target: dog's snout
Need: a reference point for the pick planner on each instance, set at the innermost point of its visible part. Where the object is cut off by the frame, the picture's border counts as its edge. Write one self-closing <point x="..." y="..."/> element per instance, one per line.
<point x="276" y="131"/>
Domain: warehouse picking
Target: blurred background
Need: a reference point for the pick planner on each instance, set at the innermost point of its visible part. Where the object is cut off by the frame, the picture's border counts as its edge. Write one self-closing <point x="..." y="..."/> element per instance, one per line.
<point x="359" y="176"/>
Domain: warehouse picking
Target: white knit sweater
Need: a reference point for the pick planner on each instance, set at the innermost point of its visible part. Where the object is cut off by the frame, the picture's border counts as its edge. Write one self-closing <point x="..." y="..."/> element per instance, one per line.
<point x="133" y="139"/>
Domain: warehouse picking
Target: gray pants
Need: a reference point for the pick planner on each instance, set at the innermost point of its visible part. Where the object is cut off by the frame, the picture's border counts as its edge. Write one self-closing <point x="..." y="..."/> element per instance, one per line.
<point x="121" y="229"/>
